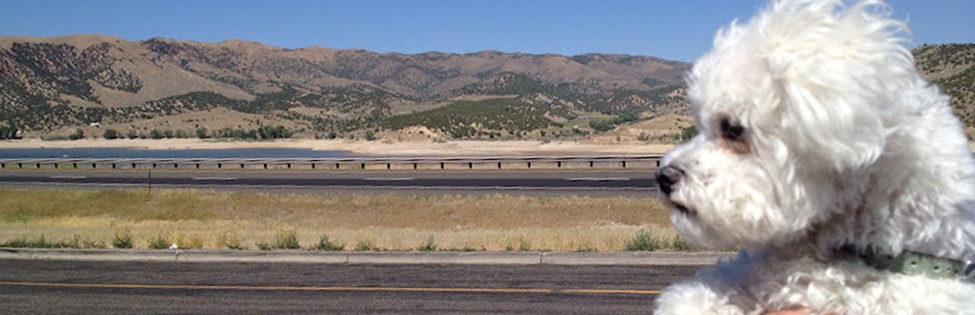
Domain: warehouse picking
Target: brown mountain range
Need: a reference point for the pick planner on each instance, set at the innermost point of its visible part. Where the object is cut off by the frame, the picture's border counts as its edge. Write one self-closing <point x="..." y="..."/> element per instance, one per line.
<point x="63" y="82"/>
<point x="53" y="85"/>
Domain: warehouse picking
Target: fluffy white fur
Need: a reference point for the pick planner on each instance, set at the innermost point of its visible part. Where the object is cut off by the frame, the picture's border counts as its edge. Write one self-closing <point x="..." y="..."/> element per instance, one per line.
<point x="842" y="142"/>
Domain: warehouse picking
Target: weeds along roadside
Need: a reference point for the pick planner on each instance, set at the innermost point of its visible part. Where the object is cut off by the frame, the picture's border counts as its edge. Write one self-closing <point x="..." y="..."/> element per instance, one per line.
<point x="192" y="218"/>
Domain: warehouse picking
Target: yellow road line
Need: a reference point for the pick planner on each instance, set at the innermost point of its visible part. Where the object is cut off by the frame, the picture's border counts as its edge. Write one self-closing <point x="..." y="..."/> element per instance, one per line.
<point x="608" y="291"/>
<point x="287" y="288"/>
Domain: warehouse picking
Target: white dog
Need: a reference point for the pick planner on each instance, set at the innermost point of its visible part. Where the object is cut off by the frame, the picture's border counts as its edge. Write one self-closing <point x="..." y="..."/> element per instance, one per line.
<point x="837" y="168"/>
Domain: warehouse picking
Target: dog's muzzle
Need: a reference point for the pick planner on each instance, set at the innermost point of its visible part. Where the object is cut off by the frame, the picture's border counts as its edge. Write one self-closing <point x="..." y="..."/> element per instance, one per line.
<point x="667" y="177"/>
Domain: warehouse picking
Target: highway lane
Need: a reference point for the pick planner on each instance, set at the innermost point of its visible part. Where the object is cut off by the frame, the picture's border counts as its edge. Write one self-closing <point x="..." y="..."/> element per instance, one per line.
<point x="38" y="286"/>
<point x="612" y="182"/>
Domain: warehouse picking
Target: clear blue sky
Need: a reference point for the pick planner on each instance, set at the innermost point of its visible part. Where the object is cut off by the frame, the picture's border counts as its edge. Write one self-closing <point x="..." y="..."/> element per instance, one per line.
<point x="671" y="29"/>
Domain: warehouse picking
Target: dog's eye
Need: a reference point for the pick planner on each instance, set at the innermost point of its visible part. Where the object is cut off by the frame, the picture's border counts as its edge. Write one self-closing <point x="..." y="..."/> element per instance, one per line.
<point x="730" y="130"/>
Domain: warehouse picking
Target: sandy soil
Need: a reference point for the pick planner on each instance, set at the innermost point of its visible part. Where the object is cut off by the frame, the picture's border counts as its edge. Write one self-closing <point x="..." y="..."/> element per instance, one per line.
<point x="377" y="148"/>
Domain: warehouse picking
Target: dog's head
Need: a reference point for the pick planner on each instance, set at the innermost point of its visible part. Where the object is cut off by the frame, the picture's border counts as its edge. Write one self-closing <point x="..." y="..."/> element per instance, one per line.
<point x="790" y="110"/>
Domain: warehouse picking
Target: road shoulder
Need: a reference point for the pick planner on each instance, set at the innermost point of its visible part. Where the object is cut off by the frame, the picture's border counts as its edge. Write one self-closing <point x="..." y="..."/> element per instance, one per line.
<point x="493" y="258"/>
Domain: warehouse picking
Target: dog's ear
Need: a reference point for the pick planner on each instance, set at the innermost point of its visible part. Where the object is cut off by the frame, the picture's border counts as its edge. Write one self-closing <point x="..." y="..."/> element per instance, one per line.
<point x="837" y="72"/>
<point x="828" y="118"/>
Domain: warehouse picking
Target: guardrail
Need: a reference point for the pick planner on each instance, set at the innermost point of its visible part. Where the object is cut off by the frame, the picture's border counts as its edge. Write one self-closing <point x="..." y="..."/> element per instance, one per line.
<point x="487" y="162"/>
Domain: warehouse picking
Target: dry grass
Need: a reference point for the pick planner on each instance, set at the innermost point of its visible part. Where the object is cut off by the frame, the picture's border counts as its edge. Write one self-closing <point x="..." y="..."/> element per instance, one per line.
<point x="209" y="219"/>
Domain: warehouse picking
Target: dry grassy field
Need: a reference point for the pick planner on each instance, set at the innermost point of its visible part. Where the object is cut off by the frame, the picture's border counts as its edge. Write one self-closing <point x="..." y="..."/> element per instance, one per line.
<point x="211" y="219"/>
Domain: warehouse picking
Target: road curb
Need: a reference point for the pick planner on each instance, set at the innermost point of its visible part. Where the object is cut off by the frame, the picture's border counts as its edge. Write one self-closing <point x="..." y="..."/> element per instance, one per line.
<point x="456" y="258"/>
<point x="86" y="254"/>
<point x="296" y="256"/>
<point x="634" y="258"/>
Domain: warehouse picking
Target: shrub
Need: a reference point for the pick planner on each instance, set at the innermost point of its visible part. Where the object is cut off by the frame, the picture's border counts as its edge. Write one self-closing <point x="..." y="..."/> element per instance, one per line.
<point x="78" y="134"/>
<point x="327" y="245"/>
<point x="155" y="134"/>
<point x="370" y="136"/>
<point x="273" y="132"/>
<point x="679" y="244"/>
<point x="643" y="241"/>
<point x="229" y="240"/>
<point x="201" y="133"/>
<point x="428" y="246"/>
<point x="366" y="245"/>
<point x="9" y="131"/>
<point x="131" y="134"/>
<point x="524" y="246"/>
<point x="624" y="117"/>
<point x="600" y="125"/>
<point x="110" y="134"/>
<point x="161" y="241"/>
<point x="123" y="239"/>
<point x="642" y="136"/>
<point x="688" y="133"/>
<point x="284" y="239"/>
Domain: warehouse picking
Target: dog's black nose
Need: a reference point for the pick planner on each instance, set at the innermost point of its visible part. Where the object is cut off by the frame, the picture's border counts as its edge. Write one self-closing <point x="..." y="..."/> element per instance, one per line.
<point x="667" y="177"/>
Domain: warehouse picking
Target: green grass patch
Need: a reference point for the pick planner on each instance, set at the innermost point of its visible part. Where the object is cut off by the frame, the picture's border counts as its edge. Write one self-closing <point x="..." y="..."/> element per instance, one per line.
<point x="644" y="241"/>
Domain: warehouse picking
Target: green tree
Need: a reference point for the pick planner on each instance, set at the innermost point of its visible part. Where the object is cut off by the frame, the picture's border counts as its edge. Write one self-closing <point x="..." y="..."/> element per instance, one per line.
<point x="5" y="132"/>
<point x="9" y="131"/>
<point x="110" y="134"/>
<point x="131" y="134"/>
<point x="624" y="117"/>
<point x="201" y="133"/>
<point x="168" y="133"/>
<point x="600" y="125"/>
<point x="688" y="133"/>
<point x="78" y="134"/>
<point x="370" y="136"/>
<point x="273" y="132"/>
<point x="156" y="134"/>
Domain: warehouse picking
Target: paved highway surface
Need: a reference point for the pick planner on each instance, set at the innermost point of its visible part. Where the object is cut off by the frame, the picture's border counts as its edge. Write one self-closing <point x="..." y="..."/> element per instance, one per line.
<point x="84" y="287"/>
<point x="546" y="182"/>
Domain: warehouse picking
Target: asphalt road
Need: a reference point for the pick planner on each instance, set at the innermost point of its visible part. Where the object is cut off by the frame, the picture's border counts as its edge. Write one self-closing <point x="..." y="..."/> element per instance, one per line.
<point x="81" y="287"/>
<point x="545" y="182"/>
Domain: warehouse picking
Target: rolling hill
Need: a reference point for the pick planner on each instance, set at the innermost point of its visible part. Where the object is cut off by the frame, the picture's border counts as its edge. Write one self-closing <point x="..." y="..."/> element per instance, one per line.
<point x="51" y="86"/>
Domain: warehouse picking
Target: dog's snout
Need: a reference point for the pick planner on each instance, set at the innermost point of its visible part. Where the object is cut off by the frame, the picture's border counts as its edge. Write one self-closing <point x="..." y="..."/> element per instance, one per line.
<point x="667" y="177"/>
